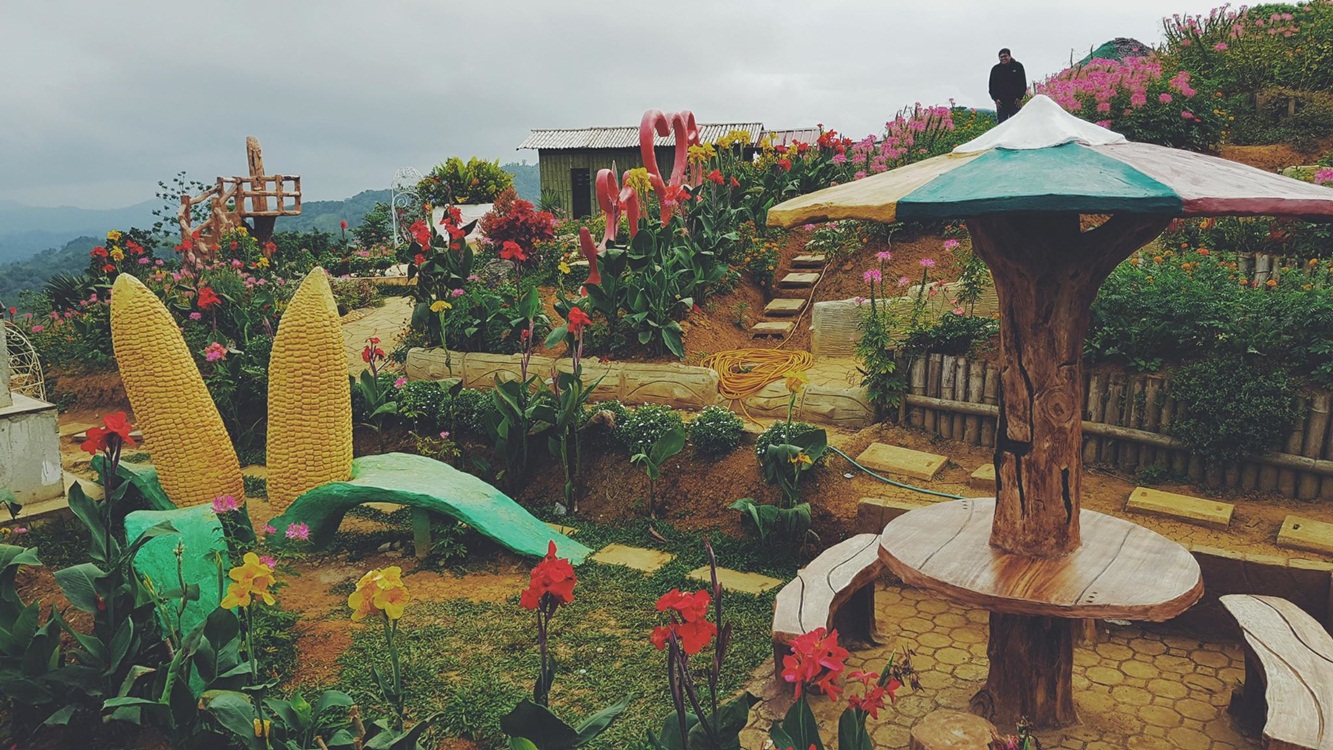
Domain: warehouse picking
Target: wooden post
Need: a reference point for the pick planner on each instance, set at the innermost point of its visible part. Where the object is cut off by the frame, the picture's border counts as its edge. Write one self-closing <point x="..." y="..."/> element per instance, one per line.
<point x="1031" y="671"/>
<point x="918" y="373"/>
<point x="959" y="394"/>
<point x="1047" y="272"/>
<point x="1152" y="419"/>
<point x="1286" y="478"/>
<point x="1129" y="454"/>
<point x="1115" y="401"/>
<point x="1093" y="413"/>
<point x="1315" y="427"/>
<point x="976" y="378"/>
<point x="934" y="365"/>
<point x="948" y="373"/>
<point x="990" y="394"/>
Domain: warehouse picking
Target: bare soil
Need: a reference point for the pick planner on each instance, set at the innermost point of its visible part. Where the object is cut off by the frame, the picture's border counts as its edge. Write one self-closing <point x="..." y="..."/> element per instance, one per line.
<point x="1275" y="157"/>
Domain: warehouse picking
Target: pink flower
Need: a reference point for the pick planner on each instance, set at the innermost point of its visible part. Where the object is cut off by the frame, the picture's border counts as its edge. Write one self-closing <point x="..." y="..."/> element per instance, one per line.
<point x="20" y="530"/>
<point x="873" y="275"/>
<point x="474" y="277"/>
<point x="237" y="263"/>
<point x="143" y="261"/>
<point x="1103" y="123"/>
<point x="38" y="328"/>
<point x="860" y="174"/>
<point x="948" y="245"/>
<point x="958" y="311"/>
<point x="884" y="256"/>
<point x="298" y="531"/>
<point x="225" y="504"/>
<point x="269" y="561"/>
<point x="859" y="300"/>
<point x="930" y="262"/>
<point x="1164" y="98"/>
<point x="215" y="351"/>
<point x="458" y="292"/>
<point x="1323" y="176"/>
<point x="400" y="382"/>
<point x="1185" y="114"/>
<point x="444" y="435"/>
<point x="268" y="529"/>
<point x="196" y="315"/>
<point x="903" y="281"/>
<point x="1220" y="47"/>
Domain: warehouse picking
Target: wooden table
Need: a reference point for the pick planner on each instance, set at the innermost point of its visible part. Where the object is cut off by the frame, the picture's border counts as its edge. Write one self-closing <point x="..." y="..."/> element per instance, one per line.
<point x="1121" y="571"/>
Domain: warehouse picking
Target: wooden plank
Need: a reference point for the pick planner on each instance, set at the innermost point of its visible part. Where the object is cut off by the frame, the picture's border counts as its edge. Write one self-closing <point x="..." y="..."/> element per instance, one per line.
<point x="1115" y="399"/>
<point x="812" y="260"/>
<point x="1152" y="419"/>
<point x="959" y="394"/>
<point x="917" y="417"/>
<point x="1096" y="407"/>
<point x="991" y="396"/>
<point x="934" y="364"/>
<point x="976" y="378"/>
<point x="1121" y="570"/>
<point x="1180" y="507"/>
<point x="1313" y="446"/>
<point x="1129" y="452"/>
<point x="1286" y="478"/>
<point x="1296" y="656"/>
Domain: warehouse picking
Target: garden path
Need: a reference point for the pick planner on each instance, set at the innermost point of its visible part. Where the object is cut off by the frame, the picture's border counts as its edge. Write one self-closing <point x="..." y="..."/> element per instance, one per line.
<point x="1143" y="687"/>
<point x="387" y="323"/>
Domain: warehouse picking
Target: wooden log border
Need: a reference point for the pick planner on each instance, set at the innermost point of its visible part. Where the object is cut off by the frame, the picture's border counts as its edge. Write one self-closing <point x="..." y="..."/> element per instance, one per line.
<point x="1126" y="419"/>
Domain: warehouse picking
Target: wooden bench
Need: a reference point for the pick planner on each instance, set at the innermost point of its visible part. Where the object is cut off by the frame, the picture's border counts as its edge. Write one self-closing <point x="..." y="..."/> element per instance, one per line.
<point x="836" y="590"/>
<point x="1288" y="673"/>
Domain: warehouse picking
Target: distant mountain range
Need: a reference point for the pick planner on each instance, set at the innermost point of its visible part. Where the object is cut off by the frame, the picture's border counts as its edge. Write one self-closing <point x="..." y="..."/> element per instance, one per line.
<point x="37" y="242"/>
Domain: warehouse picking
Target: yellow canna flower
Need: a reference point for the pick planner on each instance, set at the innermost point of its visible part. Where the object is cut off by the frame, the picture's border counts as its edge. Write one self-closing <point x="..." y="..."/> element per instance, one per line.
<point x="439" y="305"/>
<point x="638" y="179"/>
<point x="117" y="254"/>
<point x="262" y="262"/>
<point x="243" y="230"/>
<point x="802" y="459"/>
<point x="113" y="236"/>
<point x="262" y="728"/>
<point x="379" y="589"/>
<point x="250" y="579"/>
<point x="564" y="267"/>
<point x="797" y="380"/>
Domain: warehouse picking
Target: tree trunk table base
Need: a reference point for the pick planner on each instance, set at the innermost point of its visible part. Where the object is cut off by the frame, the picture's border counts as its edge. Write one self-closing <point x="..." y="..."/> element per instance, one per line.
<point x="1121" y="571"/>
<point x="1031" y="672"/>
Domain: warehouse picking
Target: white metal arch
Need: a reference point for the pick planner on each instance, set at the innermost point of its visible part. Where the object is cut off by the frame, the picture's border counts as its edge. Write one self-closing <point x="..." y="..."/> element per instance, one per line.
<point x="25" y="367"/>
<point x="402" y="194"/>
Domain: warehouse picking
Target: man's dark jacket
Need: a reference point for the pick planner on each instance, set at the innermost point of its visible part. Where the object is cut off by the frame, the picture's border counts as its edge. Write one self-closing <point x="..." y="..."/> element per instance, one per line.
<point x="1009" y="82"/>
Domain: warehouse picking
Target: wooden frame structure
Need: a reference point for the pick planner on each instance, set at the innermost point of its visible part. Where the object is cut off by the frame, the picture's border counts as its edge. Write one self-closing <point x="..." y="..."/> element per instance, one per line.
<point x="259" y="197"/>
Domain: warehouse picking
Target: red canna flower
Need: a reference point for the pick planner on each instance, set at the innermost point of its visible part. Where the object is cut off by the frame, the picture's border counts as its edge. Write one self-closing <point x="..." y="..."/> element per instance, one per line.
<point x="693" y="629"/>
<point x="785" y="164"/>
<point x="734" y="183"/>
<point x="207" y="298"/>
<point x="108" y="268"/>
<point x="577" y="320"/>
<point x="553" y="577"/>
<point x="99" y="252"/>
<point x="814" y="654"/>
<point x="372" y="352"/>
<point x="419" y="259"/>
<point x="513" y="251"/>
<point x="716" y="177"/>
<point x="420" y="232"/>
<point x="343" y="225"/>
<point x="117" y="424"/>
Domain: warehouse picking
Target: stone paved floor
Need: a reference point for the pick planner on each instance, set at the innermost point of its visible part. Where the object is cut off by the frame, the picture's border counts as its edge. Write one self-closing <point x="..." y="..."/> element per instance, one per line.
<point x="386" y="323"/>
<point x="1140" y="687"/>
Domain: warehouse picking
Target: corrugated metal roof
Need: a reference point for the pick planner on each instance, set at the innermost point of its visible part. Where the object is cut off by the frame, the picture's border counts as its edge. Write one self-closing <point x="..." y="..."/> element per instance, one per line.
<point x="787" y="137"/>
<point x="627" y="137"/>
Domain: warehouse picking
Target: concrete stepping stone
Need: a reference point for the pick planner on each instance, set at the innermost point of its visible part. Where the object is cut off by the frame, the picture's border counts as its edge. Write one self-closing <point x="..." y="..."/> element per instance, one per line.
<point x="771" y="328"/>
<point x="784" y="306"/>
<point x="798" y="280"/>
<point x="813" y="260"/>
<point x="1180" y="507"/>
<point x="1306" y="534"/>
<point x="894" y="459"/>
<point x="642" y="560"/>
<point x="735" y="580"/>
<point x="874" y="513"/>
<point x="983" y="478"/>
<point x="566" y="530"/>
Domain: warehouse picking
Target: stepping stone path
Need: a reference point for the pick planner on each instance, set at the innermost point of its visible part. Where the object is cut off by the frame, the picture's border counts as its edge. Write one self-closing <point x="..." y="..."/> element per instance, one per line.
<point x="1306" y="534"/>
<point x="799" y="282"/>
<point x="735" y="580"/>
<point x="642" y="560"/>
<point x="893" y="459"/>
<point x="983" y="478"/>
<point x="1180" y="507"/>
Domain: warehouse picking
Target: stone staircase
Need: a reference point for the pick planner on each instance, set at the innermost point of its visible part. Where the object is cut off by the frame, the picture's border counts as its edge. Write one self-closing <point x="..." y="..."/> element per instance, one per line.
<point x="805" y="273"/>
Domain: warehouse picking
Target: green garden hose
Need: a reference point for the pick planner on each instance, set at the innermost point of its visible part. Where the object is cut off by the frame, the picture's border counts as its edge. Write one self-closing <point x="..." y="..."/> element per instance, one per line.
<point x="886" y="480"/>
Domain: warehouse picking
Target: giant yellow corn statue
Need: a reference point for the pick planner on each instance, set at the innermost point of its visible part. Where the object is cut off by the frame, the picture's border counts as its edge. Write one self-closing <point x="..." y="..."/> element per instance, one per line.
<point x="191" y="449"/>
<point x="309" y="398"/>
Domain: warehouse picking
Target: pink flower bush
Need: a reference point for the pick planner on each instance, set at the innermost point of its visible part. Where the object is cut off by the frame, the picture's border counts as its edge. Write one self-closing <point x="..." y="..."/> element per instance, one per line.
<point x="873" y="275"/>
<point x="927" y="262"/>
<point x="298" y="531"/>
<point x="225" y="504"/>
<point x="1321" y="177"/>
<point x="214" y="352"/>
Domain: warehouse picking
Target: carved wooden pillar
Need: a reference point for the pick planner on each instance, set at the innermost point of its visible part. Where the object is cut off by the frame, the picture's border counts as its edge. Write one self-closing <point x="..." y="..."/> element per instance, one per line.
<point x="1047" y="273"/>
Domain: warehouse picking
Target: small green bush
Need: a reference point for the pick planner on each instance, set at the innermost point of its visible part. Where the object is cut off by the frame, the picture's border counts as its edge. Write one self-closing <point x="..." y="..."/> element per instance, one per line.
<point x="1231" y="408"/>
<point x="645" y="425"/>
<point x="955" y="335"/>
<point x="419" y="403"/>
<point x="606" y="432"/>
<point x="463" y="412"/>
<point x="716" y="431"/>
<point x="780" y="433"/>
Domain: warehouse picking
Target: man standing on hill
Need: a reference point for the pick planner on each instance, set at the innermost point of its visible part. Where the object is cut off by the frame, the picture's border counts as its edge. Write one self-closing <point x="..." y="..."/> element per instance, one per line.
<point x="1008" y="85"/>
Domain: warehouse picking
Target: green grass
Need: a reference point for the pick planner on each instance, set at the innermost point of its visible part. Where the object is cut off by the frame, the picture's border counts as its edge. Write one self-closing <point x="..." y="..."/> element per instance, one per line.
<point x="474" y="661"/>
<point x="255" y="486"/>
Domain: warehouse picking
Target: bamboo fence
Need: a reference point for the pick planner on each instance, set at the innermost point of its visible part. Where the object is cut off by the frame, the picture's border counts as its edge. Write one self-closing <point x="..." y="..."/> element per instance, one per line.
<point x="1126" y="426"/>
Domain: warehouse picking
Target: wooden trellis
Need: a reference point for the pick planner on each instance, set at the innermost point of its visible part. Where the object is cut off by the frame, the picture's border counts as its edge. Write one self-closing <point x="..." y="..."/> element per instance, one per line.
<point x="259" y="197"/>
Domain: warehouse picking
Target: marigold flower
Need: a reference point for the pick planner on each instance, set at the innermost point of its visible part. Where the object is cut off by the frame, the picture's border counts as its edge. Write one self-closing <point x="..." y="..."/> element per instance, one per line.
<point x="1271" y="283"/>
<point x="113" y="236"/>
<point x="553" y="577"/>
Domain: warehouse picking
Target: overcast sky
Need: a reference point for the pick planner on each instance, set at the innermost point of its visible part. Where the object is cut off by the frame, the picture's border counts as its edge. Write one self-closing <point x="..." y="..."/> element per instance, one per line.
<point x="103" y="99"/>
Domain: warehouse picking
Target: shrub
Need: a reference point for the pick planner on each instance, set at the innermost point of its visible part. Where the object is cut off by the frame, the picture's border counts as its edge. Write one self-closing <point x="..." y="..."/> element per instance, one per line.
<point x="608" y="433"/>
<point x="516" y="220"/>
<point x="463" y="412"/>
<point x="354" y="295"/>
<point x="1231" y="408"/>
<point x="955" y="335"/>
<point x="645" y="425"/>
<point x="716" y="431"/>
<point x="779" y="434"/>
<point x="455" y="182"/>
<point x="419" y="402"/>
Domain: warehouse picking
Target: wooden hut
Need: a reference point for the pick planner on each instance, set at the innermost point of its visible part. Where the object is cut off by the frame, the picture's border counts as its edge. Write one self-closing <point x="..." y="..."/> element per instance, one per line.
<point x="569" y="159"/>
